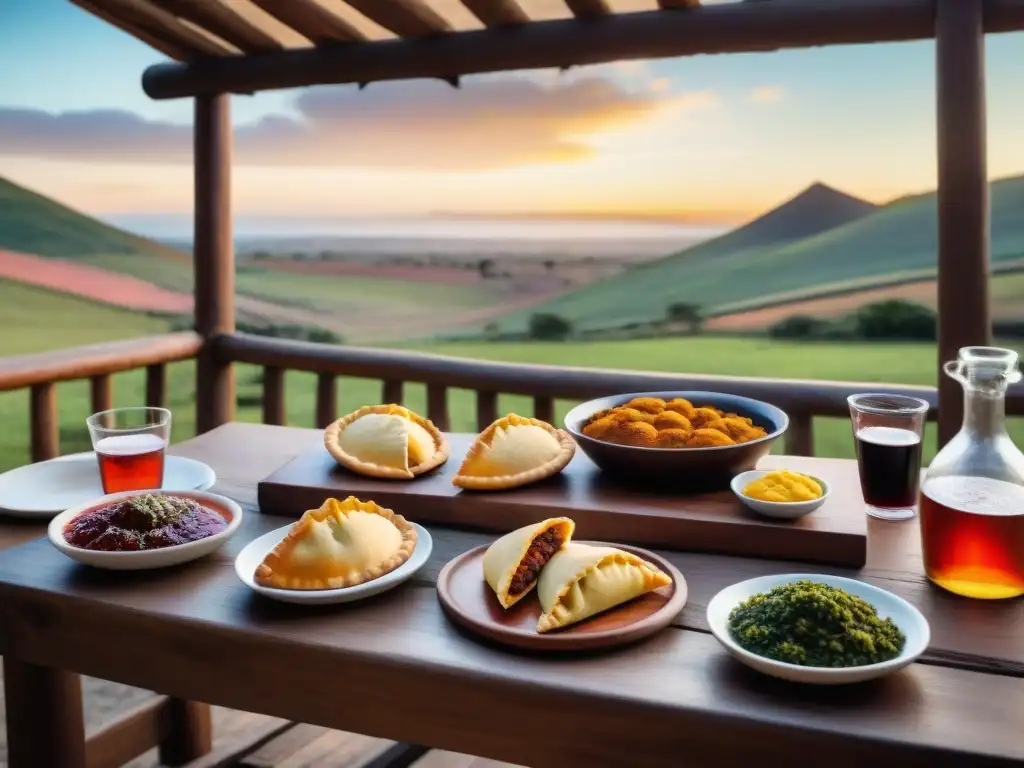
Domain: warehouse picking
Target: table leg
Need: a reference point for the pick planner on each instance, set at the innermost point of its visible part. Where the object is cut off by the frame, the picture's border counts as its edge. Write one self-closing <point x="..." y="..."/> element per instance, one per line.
<point x="45" y="726"/>
<point x="189" y="732"/>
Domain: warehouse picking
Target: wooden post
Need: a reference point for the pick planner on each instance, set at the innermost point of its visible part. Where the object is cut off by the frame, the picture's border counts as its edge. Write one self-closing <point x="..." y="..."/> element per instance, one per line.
<point x="214" y="259"/>
<point x="45" y="422"/>
<point x="964" y="314"/>
<point x="44" y="716"/>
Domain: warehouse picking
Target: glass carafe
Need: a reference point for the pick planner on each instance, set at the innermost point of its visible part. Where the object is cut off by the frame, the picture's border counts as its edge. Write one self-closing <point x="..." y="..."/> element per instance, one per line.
<point x="972" y="497"/>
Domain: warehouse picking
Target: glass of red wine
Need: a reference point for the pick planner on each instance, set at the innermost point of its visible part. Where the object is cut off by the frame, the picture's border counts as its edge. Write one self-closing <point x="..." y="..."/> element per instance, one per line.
<point x="888" y="430"/>
<point x="130" y="444"/>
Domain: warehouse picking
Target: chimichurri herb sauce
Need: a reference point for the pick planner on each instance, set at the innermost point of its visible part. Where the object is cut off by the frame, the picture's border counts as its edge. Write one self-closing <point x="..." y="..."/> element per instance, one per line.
<point x="814" y="625"/>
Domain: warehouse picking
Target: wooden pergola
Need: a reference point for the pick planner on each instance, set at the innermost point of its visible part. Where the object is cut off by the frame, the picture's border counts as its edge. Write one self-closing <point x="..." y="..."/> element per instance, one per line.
<point x="221" y="47"/>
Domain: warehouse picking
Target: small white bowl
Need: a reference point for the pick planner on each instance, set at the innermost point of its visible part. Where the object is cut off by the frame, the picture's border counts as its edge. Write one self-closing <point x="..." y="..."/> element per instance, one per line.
<point x="787" y="510"/>
<point x="148" y="558"/>
<point x="913" y="625"/>
<point x="248" y="561"/>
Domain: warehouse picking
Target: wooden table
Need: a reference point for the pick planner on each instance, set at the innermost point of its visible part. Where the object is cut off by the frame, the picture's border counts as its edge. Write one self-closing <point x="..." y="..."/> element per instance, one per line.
<point x="393" y="666"/>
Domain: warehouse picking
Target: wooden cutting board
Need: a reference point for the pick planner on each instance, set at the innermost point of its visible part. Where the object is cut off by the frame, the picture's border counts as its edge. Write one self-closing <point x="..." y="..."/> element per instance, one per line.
<point x="603" y="507"/>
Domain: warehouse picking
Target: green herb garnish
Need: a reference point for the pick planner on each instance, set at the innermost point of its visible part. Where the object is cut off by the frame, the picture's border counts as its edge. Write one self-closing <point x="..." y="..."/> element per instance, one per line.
<point x="146" y="513"/>
<point x="815" y="625"/>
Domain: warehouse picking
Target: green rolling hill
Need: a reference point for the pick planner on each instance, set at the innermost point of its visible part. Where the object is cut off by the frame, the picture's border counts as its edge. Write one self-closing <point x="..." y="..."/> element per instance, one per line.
<point x="743" y="269"/>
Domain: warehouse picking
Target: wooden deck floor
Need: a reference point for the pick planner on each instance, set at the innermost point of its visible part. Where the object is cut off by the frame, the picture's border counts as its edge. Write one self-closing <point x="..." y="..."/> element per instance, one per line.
<point x="246" y="740"/>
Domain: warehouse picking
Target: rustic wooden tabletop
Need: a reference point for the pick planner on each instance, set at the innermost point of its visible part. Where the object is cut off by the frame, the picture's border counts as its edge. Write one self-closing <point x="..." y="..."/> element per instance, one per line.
<point x="394" y="667"/>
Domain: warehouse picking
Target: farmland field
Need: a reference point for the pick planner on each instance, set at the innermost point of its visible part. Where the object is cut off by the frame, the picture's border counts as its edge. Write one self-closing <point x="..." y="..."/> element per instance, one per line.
<point x="47" y="320"/>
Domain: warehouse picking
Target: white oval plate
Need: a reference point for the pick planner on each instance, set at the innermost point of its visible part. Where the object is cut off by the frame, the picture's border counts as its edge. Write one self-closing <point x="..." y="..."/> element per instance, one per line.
<point x="906" y="617"/>
<point x="149" y="558"/>
<point x="48" y="487"/>
<point x="248" y="561"/>
<point x="784" y="510"/>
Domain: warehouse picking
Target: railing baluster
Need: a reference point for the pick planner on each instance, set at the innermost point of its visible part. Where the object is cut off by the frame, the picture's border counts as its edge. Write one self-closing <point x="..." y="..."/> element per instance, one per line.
<point x="273" y="396"/>
<point x="326" y="399"/>
<point x="437" y="406"/>
<point x="156" y="385"/>
<point x="102" y="395"/>
<point x="44" y="422"/>
<point x="392" y="391"/>
<point x="544" y="408"/>
<point x="486" y="408"/>
<point x="800" y="435"/>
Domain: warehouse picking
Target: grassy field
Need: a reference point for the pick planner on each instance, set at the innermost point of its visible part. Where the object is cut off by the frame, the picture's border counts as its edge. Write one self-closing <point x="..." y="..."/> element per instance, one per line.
<point x="900" y="237"/>
<point x="48" y="321"/>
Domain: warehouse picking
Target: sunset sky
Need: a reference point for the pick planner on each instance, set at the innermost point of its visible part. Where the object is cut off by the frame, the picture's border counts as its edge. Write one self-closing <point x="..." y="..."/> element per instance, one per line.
<point x="708" y="139"/>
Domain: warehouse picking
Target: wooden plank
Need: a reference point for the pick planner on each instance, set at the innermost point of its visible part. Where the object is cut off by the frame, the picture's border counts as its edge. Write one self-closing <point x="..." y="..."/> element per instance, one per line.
<point x="156" y="385"/>
<point x="675" y="692"/>
<point x="392" y="391"/>
<point x="129" y="736"/>
<point x="311" y="746"/>
<point x="45" y="726"/>
<point x="667" y="4"/>
<point x="326" y="399"/>
<point x="90" y="360"/>
<point x="963" y="194"/>
<point x="603" y="509"/>
<point x="544" y="409"/>
<point x="486" y="408"/>
<point x="160" y="40"/>
<point x="406" y="18"/>
<point x="718" y="28"/>
<point x="236" y="734"/>
<point x="214" y="260"/>
<point x="497" y="13"/>
<point x="101" y="394"/>
<point x="44" y="422"/>
<point x="800" y="435"/>
<point x="438" y="758"/>
<point x="222" y="20"/>
<point x="311" y="20"/>
<point x="189" y="733"/>
<point x="160" y="24"/>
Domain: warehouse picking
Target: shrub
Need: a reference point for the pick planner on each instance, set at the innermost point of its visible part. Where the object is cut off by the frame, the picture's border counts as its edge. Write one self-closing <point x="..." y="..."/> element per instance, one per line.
<point x="689" y="314"/>
<point x="897" y="319"/>
<point x="797" y="327"/>
<point x="549" y="327"/>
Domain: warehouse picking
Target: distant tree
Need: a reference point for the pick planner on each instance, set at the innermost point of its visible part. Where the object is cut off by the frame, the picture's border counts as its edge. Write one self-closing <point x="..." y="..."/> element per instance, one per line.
<point x="897" y="319"/>
<point x="549" y="265"/>
<point x="262" y="256"/>
<point x="549" y="327"/>
<point x="486" y="268"/>
<point x="492" y="330"/>
<point x="688" y="314"/>
<point x="797" y="327"/>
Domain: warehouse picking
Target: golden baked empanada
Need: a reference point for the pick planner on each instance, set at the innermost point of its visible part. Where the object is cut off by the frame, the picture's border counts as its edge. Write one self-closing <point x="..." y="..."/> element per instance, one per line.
<point x="386" y="441"/>
<point x="514" y="451"/>
<point x="341" y="544"/>
<point x="580" y="581"/>
<point x="511" y="564"/>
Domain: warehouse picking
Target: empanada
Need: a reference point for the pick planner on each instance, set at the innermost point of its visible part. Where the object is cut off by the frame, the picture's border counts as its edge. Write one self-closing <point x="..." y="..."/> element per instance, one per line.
<point x="580" y="581"/>
<point x="386" y="441"/>
<point x="511" y="564"/>
<point x="513" y="451"/>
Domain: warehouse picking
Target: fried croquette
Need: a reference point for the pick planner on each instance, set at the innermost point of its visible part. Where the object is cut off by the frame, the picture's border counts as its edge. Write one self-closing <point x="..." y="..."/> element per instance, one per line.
<point x="636" y="433"/>
<point x="652" y="405"/>
<point x="740" y="429"/>
<point x="671" y="420"/>
<point x="652" y="422"/>
<point x="673" y="438"/>
<point x="708" y="438"/>
<point x="701" y="417"/>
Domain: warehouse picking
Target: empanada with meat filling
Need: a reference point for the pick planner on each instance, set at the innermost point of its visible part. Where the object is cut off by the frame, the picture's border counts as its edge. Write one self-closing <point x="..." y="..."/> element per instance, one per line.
<point x="512" y="563"/>
<point x="581" y="581"/>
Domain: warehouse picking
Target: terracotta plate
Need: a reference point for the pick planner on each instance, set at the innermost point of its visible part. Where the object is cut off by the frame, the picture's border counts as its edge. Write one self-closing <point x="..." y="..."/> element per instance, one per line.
<point x="469" y="602"/>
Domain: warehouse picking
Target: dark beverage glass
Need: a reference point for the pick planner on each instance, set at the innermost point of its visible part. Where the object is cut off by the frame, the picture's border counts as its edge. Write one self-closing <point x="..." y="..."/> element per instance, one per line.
<point x="888" y="431"/>
<point x="130" y="444"/>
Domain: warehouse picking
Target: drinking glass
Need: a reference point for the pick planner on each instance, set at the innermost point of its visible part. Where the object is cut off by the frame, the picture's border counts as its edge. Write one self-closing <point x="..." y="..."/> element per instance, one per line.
<point x="130" y="444"/>
<point x="888" y="430"/>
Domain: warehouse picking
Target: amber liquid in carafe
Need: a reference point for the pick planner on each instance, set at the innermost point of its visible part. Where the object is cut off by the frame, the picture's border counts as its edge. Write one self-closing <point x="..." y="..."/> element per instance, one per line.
<point x="973" y="535"/>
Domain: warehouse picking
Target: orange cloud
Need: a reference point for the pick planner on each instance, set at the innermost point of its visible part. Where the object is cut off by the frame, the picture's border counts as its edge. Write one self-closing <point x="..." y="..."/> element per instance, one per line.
<point x="767" y="94"/>
<point x="487" y="124"/>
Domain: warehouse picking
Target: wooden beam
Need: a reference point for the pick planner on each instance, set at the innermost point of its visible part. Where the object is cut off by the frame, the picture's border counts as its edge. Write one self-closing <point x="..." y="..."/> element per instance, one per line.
<point x="158" y="23"/>
<point x="497" y="13"/>
<point x="667" y="4"/>
<point x="218" y="17"/>
<point x="964" y="313"/>
<point x="160" y="40"/>
<point x="214" y="259"/>
<point x="584" y="8"/>
<point x="406" y="18"/>
<point x="45" y="726"/>
<point x="311" y="20"/>
<point x="726" y="28"/>
<point x="129" y="736"/>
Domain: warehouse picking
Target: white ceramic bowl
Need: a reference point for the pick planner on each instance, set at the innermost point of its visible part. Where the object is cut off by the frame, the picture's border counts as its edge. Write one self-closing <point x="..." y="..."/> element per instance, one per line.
<point x="250" y="558"/>
<point x="787" y="510"/>
<point x="150" y="558"/>
<point x="904" y="615"/>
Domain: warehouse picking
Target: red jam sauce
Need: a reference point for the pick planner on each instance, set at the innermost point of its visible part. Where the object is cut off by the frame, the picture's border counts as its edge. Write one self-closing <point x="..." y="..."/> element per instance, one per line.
<point x="151" y="521"/>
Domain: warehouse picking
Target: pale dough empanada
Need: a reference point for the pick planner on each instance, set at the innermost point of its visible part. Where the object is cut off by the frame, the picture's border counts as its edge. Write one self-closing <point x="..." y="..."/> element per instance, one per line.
<point x="341" y="544"/>
<point x="386" y="441"/>
<point x="511" y="564"/>
<point x="514" y="451"/>
<point x="580" y="581"/>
